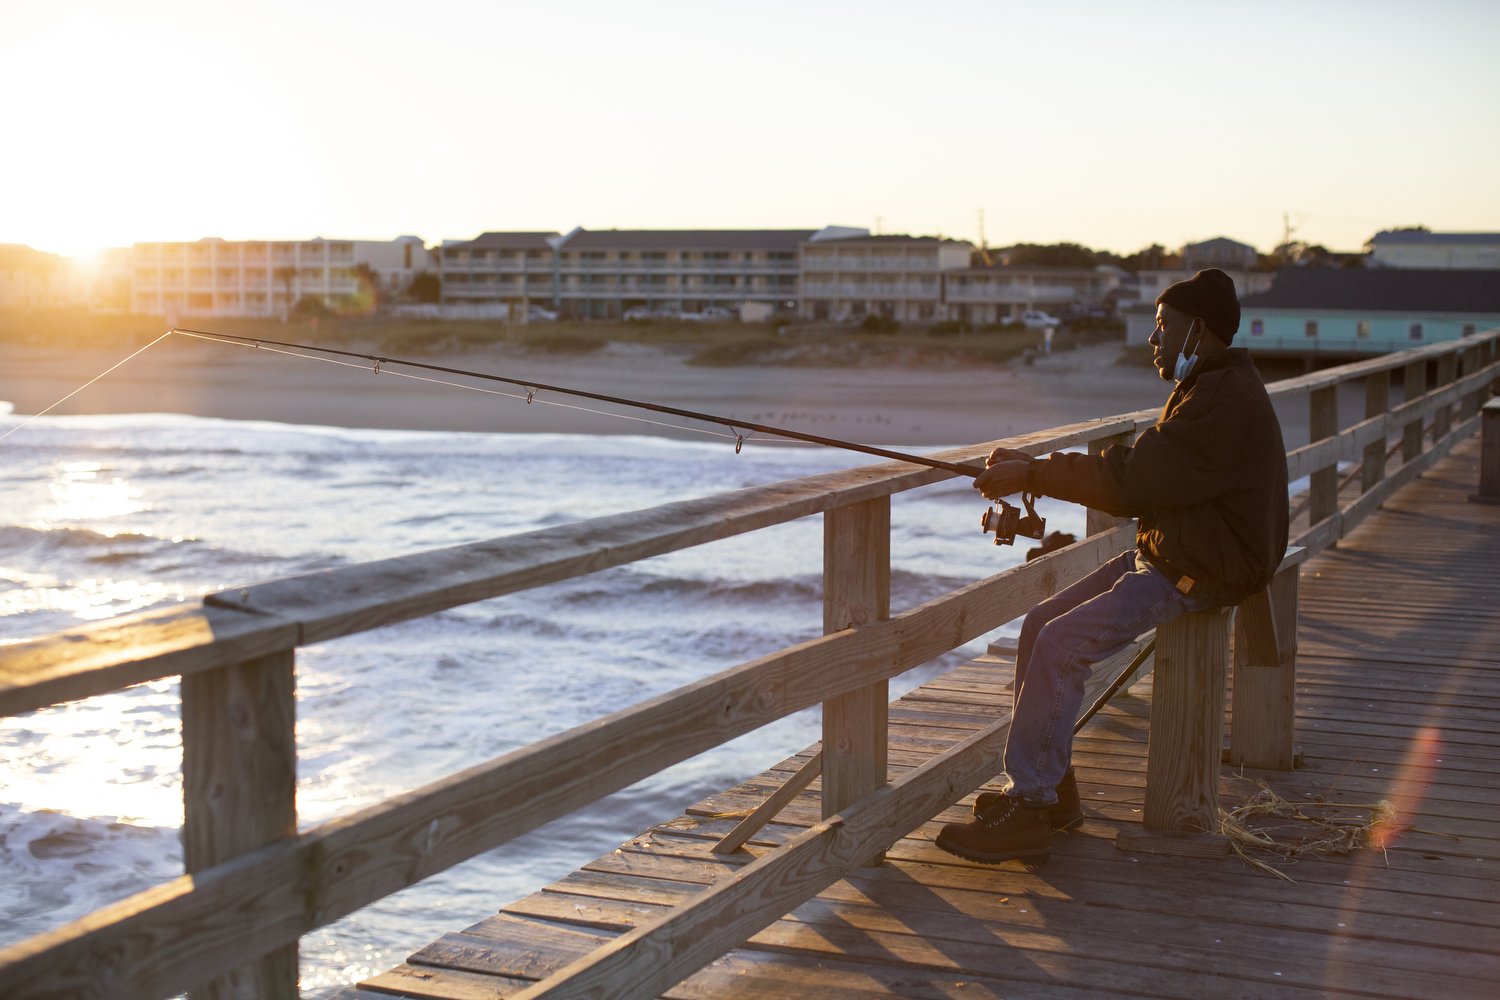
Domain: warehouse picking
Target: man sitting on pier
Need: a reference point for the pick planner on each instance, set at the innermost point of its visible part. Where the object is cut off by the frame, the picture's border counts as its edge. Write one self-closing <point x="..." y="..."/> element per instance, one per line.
<point x="1208" y="485"/>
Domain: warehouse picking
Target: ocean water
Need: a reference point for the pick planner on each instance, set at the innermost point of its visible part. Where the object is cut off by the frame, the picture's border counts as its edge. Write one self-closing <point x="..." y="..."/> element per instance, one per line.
<point x="108" y="515"/>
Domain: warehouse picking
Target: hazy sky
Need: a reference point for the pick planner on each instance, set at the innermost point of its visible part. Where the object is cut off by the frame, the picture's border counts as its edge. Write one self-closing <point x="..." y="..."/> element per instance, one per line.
<point x="1109" y="124"/>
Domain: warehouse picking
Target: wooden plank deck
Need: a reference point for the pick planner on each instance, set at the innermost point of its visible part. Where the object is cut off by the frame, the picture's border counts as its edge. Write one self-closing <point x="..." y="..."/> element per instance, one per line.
<point x="1398" y="700"/>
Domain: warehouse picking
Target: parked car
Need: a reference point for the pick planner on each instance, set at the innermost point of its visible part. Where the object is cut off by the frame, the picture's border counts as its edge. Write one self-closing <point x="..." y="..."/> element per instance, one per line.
<point x="716" y="313"/>
<point x="536" y="314"/>
<point x="1035" y="319"/>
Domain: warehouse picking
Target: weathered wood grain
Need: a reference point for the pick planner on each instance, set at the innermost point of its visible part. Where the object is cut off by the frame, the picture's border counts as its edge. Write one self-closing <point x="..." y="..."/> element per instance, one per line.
<point x="132" y="649"/>
<point x="856" y="592"/>
<point x="1265" y="677"/>
<point x="650" y="959"/>
<point x="239" y="787"/>
<point x="1187" y="718"/>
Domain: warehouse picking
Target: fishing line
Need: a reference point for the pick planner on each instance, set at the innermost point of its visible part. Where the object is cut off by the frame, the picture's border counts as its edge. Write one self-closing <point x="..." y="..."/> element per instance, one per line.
<point x="739" y="427"/>
<point x="83" y="387"/>
<point x="528" y="398"/>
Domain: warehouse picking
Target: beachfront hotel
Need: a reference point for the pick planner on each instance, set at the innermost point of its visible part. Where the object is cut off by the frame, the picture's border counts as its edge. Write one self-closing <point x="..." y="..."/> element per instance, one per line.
<point x="830" y="275"/>
<point x="850" y="276"/>
<point x="265" y="278"/>
<point x="626" y="273"/>
<point x="498" y="272"/>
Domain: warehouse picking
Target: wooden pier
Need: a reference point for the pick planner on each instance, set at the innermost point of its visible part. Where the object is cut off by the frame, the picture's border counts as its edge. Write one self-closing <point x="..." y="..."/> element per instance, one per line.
<point x="1374" y="656"/>
<point x="1398" y="695"/>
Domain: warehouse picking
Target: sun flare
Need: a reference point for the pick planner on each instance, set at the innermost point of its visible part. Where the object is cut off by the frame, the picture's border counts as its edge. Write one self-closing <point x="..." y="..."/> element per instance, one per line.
<point x="86" y="491"/>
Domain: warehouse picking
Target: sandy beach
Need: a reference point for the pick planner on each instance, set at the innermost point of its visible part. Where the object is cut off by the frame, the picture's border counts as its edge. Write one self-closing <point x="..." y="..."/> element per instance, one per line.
<point x="888" y="406"/>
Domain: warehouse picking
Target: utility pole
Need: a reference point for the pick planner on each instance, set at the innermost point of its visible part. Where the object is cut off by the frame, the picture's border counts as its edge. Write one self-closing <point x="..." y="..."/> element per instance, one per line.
<point x="1287" y="229"/>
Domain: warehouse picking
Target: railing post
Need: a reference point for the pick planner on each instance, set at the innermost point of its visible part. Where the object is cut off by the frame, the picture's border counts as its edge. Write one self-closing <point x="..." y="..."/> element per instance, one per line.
<point x="1264" y="706"/>
<point x="1184" y="751"/>
<point x="239" y="784"/>
<point x="1413" y="386"/>
<point x="1323" y="422"/>
<point x="1470" y="362"/>
<point x="1442" y="420"/>
<point x="1095" y="521"/>
<point x="1489" y="453"/>
<point x="1377" y="401"/>
<point x="856" y="591"/>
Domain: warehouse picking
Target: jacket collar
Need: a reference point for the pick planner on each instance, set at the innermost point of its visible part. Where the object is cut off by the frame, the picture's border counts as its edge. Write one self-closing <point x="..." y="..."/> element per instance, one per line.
<point x="1233" y="357"/>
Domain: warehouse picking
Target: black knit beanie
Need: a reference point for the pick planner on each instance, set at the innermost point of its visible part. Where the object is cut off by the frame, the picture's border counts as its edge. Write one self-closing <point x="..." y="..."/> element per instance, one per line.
<point x="1209" y="295"/>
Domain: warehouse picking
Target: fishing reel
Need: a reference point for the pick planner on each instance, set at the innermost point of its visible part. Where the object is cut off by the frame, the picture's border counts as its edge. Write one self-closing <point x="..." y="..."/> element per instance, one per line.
<point x="1007" y="521"/>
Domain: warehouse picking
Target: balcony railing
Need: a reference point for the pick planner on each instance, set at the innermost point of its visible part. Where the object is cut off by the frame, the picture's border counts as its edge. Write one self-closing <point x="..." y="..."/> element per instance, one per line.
<point x="1011" y="294"/>
<point x="818" y="262"/>
<point x="870" y="290"/>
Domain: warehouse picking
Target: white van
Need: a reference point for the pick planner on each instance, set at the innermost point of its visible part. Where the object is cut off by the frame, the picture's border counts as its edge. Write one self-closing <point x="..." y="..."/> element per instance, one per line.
<point x="1035" y="319"/>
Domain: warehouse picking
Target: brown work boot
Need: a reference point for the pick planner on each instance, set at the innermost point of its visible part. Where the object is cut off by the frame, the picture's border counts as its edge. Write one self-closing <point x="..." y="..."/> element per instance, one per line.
<point x="1066" y="814"/>
<point x="1009" y="829"/>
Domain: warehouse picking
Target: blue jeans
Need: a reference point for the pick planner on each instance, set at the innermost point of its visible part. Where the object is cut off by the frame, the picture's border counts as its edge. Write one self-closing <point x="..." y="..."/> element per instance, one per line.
<point x="1061" y="640"/>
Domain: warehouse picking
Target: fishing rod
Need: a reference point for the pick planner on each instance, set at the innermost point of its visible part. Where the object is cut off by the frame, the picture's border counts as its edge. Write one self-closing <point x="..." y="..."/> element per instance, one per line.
<point x="532" y="388"/>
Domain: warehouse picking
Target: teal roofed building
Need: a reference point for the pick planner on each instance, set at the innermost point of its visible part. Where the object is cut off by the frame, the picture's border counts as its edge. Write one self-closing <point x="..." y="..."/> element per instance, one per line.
<point x="1358" y="311"/>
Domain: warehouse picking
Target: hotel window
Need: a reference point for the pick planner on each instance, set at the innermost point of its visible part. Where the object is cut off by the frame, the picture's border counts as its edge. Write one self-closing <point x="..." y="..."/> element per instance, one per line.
<point x="1414" y="332"/>
<point x="1257" y="328"/>
<point x="1310" y="328"/>
<point x="1362" y="329"/>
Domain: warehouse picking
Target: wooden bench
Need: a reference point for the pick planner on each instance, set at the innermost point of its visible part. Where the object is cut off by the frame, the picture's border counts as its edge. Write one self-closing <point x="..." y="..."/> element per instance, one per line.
<point x="1185" y="751"/>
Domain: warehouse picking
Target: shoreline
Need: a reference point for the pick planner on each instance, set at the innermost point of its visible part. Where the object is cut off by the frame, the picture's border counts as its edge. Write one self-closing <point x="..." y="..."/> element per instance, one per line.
<point x="884" y="406"/>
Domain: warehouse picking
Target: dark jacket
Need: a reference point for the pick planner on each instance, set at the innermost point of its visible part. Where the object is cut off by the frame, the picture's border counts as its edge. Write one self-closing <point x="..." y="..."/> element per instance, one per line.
<point x="1207" y="482"/>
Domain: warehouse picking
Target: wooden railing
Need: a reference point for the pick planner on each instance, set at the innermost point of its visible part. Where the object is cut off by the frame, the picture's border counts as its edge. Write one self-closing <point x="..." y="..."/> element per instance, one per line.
<point x="254" y="885"/>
